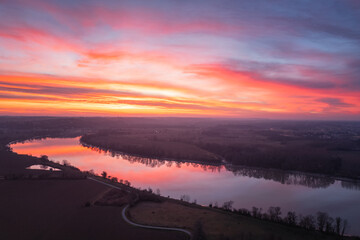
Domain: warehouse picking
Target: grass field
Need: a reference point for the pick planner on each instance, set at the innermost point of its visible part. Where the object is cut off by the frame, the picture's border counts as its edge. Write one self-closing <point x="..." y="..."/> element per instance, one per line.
<point x="216" y="224"/>
<point x="55" y="209"/>
<point x="40" y="208"/>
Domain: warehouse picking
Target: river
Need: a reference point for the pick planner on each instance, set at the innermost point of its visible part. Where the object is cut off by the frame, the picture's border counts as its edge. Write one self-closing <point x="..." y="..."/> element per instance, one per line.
<point x="247" y="187"/>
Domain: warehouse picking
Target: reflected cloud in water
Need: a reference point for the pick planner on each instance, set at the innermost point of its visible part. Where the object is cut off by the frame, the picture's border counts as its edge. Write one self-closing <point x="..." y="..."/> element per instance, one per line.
<point x="283" y="177"/>
<point x="247" y="187"/>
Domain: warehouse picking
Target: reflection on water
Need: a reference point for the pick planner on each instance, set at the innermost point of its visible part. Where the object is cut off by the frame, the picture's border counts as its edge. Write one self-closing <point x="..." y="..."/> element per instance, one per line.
<point x="43" y="167"/>
<point x="284" y="177"/>
<point x="350" y="185"/>
<point x="247" y="187"/>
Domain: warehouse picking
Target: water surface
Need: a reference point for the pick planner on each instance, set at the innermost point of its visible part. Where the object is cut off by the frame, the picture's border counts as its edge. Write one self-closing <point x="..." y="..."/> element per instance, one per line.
<point x="42" y="167"/>
<point x="305" y="194"/>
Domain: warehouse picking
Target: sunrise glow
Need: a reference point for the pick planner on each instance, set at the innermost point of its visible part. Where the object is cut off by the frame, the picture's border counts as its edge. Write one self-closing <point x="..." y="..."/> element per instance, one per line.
<point x="180" y="58"/>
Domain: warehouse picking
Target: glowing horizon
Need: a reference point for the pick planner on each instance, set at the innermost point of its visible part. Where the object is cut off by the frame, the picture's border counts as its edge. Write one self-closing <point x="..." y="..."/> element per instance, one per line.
<point x="189" y="58"/>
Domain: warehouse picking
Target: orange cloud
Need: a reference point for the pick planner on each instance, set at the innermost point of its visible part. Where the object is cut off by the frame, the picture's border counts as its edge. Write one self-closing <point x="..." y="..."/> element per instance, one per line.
<point x="241" y="96"/>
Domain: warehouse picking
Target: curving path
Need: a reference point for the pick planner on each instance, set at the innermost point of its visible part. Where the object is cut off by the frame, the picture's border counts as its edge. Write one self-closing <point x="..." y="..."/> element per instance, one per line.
<point x="140" y="225"/>
<point x="153" y="227"/>
<point x="107" y="184"/>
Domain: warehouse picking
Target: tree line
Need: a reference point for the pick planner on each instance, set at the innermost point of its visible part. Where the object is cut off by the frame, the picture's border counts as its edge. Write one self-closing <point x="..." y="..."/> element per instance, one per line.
<point x="321" y="222"/>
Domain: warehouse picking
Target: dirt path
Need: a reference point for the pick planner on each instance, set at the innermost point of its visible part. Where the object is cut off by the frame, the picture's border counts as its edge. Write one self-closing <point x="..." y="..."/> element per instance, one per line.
<point x="140" y="225"/>
<point x="153" y="227"/>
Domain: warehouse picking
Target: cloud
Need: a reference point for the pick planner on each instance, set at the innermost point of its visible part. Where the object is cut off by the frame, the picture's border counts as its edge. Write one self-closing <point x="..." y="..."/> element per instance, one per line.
<point x="335" y="102"/>
<point x="242" y="58"/>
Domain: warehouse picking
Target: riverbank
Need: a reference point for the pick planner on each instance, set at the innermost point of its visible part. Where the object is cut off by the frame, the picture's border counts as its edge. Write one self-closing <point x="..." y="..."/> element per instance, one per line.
<point x="262" y="223"/>
<point x="176" y="207"/>
<point x="154" y="211"/>
<point x="219" y="187"/>
<point x="216" y="224"/>
<point x="230" y="167"/>
<point x="41" y="204"/>
<point x="55" y="209"/>
<point x="223" y="163"/>
<point x="234" y="147"/>
<point x="143" y="146"/>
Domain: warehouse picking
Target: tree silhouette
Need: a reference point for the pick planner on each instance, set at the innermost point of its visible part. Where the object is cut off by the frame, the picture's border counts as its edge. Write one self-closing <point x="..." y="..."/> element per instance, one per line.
<point x="274" y="213"/>
<point x="228" y="205"/>
<point x="321" y="220"/>
<point x="290" y="218"/>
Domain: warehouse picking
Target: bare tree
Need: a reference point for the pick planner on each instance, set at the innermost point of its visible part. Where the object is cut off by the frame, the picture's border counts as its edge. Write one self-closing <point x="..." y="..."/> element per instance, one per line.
<point x="329" y="226"/>
<point x="44" y="158"/>
<point x="321" y="220"/>
<point x="274" y="213"/>
<point x="307" y="222"/>
<point x="290" y="218"/>
<point x="338" y="222"/>
<point x="344" y="227"/>
<point x="228" y="205"/>
<point x="256" y="212"/>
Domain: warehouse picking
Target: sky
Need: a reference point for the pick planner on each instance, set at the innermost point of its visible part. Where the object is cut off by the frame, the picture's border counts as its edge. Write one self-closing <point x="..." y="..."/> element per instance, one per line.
<point x="189" y="58"/>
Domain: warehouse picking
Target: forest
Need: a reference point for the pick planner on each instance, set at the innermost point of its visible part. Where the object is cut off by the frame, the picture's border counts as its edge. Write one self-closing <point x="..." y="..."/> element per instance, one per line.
<point x="325" y="147"/>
